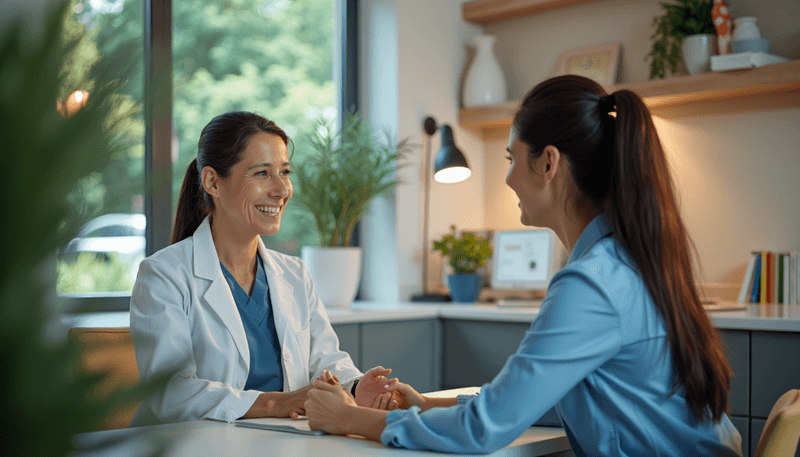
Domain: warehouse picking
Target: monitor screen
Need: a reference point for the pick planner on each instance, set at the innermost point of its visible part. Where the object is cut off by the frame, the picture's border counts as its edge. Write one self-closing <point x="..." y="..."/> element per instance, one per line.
<point x="524" y="259"/>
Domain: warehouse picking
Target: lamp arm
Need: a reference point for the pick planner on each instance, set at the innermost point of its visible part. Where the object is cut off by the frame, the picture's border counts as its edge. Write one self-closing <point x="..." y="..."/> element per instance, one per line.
<point x="426" y="216"/>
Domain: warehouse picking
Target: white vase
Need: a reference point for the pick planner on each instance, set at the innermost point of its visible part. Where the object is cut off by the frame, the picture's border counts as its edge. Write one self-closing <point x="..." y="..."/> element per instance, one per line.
<point x="484" y="83"/>
<point x="697" y="51"/>
<point x="336" y="272"/>
<point x="745" y="28"/>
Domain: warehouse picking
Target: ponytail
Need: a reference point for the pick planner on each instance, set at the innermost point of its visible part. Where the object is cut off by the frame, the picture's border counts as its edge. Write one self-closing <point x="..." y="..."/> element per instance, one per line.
<point x="191" y="205"/>
<point x="645" y="218"/>
<point x="617" y="163"/>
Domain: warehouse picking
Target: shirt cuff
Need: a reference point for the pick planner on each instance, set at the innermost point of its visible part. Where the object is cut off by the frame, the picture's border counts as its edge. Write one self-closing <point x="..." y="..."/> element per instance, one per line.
<point x="463" y="399"/>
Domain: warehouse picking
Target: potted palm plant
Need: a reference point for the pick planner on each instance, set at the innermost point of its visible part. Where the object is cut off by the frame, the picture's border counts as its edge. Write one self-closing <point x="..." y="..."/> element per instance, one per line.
<point x="466" y="253"/>
<point x="684" y="34"/>
<point x="344" y="171"/>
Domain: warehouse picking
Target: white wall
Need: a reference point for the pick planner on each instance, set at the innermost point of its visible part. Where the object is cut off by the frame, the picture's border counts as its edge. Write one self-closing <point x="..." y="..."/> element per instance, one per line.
<point x="737" y="175"/>
<point x="411" y="68"/>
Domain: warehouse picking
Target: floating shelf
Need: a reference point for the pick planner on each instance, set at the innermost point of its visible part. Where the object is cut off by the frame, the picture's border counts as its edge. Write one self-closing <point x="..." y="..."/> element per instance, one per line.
<point x="485" y="12"/>
<point x="729" y="92"/>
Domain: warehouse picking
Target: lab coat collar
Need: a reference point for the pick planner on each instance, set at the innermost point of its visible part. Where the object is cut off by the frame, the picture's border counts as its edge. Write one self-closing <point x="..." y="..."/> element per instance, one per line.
<point x="280" y="293"/>
<point x="218" y="295"/>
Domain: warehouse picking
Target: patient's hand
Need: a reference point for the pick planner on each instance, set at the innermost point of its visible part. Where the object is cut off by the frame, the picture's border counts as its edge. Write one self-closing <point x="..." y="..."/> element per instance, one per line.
<point x="405" y="395"/>
<point x="372" y="393"/>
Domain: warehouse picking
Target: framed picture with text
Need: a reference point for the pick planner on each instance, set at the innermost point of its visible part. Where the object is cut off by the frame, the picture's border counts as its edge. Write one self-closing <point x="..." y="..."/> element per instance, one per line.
<point x="599" y="63"/>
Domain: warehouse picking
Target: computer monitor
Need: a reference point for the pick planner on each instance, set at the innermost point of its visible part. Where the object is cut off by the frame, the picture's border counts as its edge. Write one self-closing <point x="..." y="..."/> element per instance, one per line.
<point x="524" y="259"/>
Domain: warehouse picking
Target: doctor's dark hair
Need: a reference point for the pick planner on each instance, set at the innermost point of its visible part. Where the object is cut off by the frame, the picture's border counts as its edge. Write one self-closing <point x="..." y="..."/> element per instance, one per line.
<point x="618" y="166"/>
<point x="220" y="147"/>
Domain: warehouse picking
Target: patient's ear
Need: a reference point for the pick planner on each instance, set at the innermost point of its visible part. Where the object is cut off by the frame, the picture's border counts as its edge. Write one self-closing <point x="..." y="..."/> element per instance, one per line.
<point x="551" y="163"/>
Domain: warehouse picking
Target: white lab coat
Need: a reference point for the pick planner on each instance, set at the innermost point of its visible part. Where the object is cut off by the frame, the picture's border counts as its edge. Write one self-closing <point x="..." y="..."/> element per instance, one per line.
<point x="184" y="321"/>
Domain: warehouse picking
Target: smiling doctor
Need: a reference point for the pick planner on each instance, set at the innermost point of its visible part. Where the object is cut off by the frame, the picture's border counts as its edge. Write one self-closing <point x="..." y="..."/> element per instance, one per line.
<point x="237" y="328"/>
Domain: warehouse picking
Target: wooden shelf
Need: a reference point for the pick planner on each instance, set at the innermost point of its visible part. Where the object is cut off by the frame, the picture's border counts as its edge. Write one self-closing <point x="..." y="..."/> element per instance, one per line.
<point x="485" y="12"/>
<point x="730" y="92"/>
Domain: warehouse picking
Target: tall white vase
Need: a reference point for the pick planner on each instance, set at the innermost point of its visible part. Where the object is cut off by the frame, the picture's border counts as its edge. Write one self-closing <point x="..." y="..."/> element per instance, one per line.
<point x="485" y="83"/>
<point x="336" y="272"/>
<point x="697" y="51"/>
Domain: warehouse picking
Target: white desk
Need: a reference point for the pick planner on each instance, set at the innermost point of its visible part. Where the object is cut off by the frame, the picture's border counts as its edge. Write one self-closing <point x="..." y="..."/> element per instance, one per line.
<point x="212" y="438"/>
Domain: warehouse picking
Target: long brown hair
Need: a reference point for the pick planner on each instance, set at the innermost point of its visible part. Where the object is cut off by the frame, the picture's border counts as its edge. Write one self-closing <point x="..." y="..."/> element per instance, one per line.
<point x="618" y="163"/>
<point x="220" y="147"/>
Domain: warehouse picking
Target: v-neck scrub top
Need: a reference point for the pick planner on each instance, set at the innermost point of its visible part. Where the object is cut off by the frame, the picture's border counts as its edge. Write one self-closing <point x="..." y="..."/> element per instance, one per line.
<point x="266" y="374"/>
<point x="598" y="352"/>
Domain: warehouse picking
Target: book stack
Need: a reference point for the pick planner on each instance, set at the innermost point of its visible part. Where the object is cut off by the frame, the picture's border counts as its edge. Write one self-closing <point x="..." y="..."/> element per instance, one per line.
<point x="771" y="277"/>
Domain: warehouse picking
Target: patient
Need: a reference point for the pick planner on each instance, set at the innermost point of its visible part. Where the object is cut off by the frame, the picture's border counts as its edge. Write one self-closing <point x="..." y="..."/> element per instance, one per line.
<point x="622" y="346"/>
<point x="238" y="328"/>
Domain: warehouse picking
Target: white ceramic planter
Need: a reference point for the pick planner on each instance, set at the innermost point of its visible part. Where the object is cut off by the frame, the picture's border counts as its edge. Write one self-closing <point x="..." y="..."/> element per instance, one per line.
<point x="697" y="51"/>
<point x="745" y="28"/>
<point x="485" y="83"/>
<point x="336" y="272"/>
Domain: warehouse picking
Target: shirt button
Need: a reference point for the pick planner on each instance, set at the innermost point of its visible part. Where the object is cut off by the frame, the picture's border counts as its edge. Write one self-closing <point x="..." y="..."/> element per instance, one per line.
<point x="286" y="356"/>
<point x="241" y="384"/>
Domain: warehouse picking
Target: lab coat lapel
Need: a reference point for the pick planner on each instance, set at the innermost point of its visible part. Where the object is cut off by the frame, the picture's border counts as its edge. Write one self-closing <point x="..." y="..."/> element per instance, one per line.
<point x="218" y="295"/>
<point x="280" y="294"/>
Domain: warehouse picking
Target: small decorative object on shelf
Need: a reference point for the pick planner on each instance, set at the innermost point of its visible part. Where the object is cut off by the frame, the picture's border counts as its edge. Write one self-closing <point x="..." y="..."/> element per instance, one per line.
<point x="745" y="28"/>
<point x="681" y="20"/>
<point x="599" y="63"/>
<point x="485" y="83"/>
<point x="466" y="253"/>
<point x="722" y="22"/>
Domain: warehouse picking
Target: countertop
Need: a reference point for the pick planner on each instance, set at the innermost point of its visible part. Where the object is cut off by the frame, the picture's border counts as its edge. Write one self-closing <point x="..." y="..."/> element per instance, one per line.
<point x="774" y="318"/>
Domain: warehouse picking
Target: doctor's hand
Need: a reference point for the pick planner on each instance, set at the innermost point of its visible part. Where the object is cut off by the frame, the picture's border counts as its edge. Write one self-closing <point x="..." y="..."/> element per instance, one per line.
<point x="328" y="407"/>
<point x="372" y="393"/>
<point x="286" y="404"/>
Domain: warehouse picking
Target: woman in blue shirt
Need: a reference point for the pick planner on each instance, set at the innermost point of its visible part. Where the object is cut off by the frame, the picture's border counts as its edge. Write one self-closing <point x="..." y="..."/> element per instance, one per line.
<point x="622" y="346"/>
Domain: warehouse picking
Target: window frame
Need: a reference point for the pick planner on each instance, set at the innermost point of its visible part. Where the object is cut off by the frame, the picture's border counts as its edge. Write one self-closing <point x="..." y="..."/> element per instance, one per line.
<point x="157" y="109"/>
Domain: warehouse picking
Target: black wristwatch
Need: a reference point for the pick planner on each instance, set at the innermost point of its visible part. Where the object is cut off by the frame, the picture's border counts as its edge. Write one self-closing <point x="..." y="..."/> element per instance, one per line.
<point x="353" y="389"/>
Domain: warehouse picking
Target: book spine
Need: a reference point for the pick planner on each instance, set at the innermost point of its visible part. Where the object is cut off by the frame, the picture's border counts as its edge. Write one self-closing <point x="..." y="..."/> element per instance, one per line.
<point x="796" y="276"/>
<point x="748" y="278"/>
<point x="779" y="279"/>
<point x="786" y="277"/>
<point x="755" y="291"/>
<point x="762" y="287"/>
<point x="770" y="277"/>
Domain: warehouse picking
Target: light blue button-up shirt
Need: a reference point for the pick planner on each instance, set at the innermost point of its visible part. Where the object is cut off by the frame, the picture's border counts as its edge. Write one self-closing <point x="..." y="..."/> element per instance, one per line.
<point x="598" y="352"/>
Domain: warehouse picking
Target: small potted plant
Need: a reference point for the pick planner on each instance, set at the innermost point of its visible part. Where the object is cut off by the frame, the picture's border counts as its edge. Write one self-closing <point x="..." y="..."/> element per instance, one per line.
<point x="685" y="30"/>
<point x="466" y="254"/>
<point x="336" y="181"/>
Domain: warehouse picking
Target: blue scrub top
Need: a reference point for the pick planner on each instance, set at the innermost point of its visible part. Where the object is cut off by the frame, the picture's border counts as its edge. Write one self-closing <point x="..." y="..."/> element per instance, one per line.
<point x="266" y="372"/>
<point x="598" y="352"/>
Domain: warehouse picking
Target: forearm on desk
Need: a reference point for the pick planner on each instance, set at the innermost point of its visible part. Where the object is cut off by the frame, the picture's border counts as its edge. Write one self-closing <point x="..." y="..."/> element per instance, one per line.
<point x="366" y="422"/>
<point x="438" y="403"/>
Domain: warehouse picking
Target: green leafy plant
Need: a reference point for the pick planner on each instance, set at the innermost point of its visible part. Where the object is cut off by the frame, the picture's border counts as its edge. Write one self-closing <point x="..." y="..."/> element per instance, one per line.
<point x="47" y="155"/>
<point x="681" y="19"/>
<point x="342" y="173"/>
<point x="466" y="253"/>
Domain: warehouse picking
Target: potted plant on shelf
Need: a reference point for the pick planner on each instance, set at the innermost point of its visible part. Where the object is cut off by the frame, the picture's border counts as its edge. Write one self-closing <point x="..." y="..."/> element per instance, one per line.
<point x="466" y="253"/>
<point x="343" y="173"/>
<point x="685" y="30"/>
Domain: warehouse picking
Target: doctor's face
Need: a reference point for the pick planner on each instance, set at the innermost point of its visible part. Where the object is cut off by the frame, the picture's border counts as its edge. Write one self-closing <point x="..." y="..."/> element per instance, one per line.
<point x="253" y="197"/>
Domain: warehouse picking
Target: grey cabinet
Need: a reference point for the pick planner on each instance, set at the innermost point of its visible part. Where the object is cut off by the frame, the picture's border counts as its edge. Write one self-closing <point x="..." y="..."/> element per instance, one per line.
<point x="737" y="350"/>
<point x="412" y="349"/>
<point x="350" y="341"/>
<point x="475" y="351"/>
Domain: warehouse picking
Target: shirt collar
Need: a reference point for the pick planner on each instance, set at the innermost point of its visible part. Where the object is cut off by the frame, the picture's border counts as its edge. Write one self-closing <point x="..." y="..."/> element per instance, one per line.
<point x="598" y="229"/>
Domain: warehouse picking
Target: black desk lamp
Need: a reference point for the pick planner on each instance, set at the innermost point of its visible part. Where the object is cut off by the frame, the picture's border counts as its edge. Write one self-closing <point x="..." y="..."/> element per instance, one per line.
<point x="451" y="167"/>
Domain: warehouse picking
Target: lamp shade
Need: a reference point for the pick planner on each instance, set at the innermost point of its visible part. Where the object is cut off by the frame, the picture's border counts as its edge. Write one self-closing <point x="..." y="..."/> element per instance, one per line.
<point x="451" y="165"/>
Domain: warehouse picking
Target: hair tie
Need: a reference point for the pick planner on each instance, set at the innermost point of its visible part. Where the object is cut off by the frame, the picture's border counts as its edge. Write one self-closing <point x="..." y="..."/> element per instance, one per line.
<point x="608" y="103"/>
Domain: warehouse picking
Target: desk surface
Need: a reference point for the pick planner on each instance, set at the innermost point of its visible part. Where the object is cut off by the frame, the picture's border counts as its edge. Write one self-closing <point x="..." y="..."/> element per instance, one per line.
<point x="775" y="318"/>
<point x="212" y="438"/>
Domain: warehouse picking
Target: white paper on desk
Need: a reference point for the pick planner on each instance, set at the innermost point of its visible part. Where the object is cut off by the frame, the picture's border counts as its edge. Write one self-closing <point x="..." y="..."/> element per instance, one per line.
<point x="280" y="425"/>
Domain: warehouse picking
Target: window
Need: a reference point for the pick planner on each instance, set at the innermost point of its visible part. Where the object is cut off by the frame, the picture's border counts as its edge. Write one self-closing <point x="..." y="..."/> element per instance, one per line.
<point x="274" y="57"/>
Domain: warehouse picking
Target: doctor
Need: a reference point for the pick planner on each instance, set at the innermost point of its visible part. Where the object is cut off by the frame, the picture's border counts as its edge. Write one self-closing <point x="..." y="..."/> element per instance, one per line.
<point x="238" y="328"/>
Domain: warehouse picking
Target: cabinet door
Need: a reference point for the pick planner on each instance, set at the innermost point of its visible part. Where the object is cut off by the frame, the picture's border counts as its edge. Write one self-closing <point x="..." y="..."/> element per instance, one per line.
<point x="775" y="361"/>
<point x="350" y="341"/>
<point x="737" y="350"/>
<point x="474" y="352"/>
<point x="742" y="425"/>
<point x="409" y="348"/>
